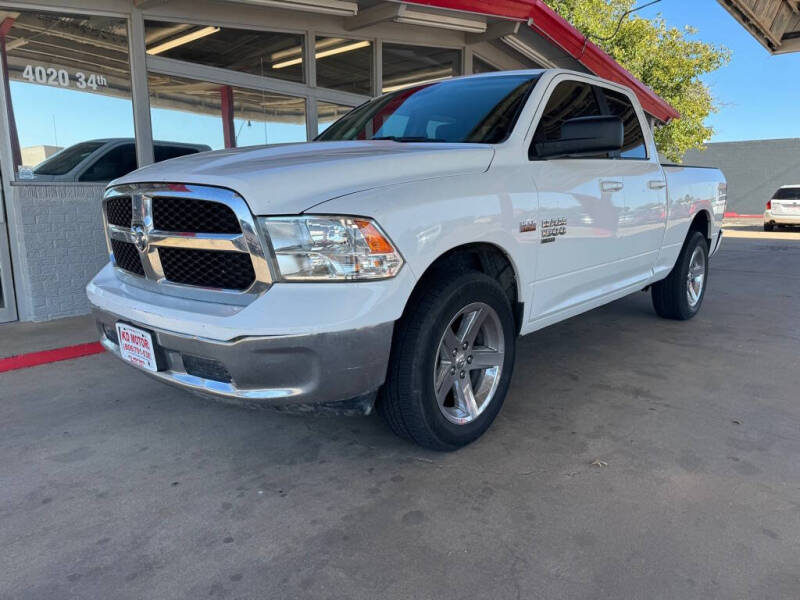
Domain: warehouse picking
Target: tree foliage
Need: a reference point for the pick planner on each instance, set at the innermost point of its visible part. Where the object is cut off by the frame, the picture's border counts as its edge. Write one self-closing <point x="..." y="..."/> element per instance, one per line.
<point x="664" y="58"/>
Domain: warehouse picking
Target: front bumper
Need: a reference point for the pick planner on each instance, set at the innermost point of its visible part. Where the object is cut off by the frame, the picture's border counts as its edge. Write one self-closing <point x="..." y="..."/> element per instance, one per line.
<point x="340" y="371"/>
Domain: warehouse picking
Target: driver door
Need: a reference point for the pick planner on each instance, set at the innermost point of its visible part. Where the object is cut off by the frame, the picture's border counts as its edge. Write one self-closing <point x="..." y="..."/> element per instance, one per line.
<point x="580" y="204"/>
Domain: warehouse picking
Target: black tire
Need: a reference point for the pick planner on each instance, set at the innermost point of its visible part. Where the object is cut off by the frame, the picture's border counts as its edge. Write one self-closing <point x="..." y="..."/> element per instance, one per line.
<point x="769" y="227"/>
<point x="670" y="295"/>
<point x="408" y="399"/>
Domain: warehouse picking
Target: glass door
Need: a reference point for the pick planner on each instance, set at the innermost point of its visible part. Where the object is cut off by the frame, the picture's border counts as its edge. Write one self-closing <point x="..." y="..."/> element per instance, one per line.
<point x="8" y="307"/>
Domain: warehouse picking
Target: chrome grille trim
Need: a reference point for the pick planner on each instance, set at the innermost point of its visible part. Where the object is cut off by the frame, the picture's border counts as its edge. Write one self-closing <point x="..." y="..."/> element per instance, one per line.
<point x="249" y="241"/>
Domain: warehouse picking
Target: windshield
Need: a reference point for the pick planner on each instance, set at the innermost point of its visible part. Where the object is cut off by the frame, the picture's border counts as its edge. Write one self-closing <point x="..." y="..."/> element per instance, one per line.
<point x="479" y="110"/>
<point x="67" y="159"/>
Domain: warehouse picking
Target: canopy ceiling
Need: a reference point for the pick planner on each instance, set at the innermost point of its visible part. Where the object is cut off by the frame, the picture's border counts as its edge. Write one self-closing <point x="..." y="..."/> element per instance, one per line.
<point x="774" y="23"/>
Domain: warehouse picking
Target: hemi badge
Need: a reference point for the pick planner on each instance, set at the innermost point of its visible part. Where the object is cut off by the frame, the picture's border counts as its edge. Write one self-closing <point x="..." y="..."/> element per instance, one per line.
<point x="527" y="225"/>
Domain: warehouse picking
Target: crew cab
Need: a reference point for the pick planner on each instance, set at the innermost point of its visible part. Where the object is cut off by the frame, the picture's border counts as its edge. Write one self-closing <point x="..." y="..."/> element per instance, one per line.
<point x="393" y="262"/>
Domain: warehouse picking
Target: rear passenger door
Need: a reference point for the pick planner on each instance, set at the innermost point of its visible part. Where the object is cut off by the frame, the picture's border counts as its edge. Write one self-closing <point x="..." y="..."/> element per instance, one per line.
<point x="643" y="217"/>
<point x="580" y="203"/>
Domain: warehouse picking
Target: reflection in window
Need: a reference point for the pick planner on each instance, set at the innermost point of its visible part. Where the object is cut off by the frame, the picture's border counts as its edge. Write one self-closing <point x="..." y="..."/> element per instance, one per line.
<point x="196" y="112"/>
<point x="264" y="53"/>
<point x="619" y="105"/>
<point x="570" y="100"/>
<point x="267" y="118"/>
<point x="328" y="113"/>
<point x="410" y="65"/>
<point x="470" y="110"/>
<point x="344" y="65"/>
<point x="481" y="66"/>
<point x="70" y="83"/>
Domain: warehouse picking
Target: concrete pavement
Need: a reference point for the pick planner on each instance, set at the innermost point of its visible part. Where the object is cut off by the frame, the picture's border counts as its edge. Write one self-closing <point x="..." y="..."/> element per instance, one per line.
<point x="634" y="458"/>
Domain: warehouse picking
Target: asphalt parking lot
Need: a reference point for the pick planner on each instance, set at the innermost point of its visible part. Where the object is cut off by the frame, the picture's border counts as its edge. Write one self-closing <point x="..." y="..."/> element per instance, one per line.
<point x="634" y="458"/>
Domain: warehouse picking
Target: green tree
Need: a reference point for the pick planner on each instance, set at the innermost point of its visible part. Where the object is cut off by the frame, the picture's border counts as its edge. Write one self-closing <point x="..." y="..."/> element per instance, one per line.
<point x="664" y="58"/>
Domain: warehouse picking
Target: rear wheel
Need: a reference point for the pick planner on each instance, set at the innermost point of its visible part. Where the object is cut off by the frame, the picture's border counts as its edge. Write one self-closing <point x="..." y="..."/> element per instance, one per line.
<point x="451" y="363"/>
<point x="769" y="227"/>
<point x="681" y="294"/>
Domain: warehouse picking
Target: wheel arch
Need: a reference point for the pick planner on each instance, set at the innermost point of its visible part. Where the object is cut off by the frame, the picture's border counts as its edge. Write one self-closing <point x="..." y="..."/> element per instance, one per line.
<point x="702" y="222"/>
<point x="485" y="257"/>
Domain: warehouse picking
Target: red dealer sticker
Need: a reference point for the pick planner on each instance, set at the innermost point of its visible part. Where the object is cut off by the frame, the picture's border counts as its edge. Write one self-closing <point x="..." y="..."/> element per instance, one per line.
<point x="136" y="347"/>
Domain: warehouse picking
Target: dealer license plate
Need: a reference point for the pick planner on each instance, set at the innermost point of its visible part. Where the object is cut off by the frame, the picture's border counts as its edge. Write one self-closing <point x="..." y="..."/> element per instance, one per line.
<point x="136" y="347"/>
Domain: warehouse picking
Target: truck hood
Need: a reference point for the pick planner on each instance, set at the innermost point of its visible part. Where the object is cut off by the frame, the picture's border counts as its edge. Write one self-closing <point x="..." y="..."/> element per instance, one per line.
<point x="291" y="178"/>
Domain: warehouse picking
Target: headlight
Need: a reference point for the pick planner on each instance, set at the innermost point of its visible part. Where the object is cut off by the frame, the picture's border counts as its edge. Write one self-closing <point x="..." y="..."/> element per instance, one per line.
<point x="323" y="248"/>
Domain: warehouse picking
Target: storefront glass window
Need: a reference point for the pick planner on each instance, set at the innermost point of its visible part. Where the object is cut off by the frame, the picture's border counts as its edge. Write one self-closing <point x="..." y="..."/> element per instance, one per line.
<point x="196" y="112"/>
<point x="411" y="65"/>
<point x="328" y="113"/>
<point x="344" y="64"/>
<point x="481" y="66"/>
<point x="69" y="83"/>
<point x="264" y="53"/>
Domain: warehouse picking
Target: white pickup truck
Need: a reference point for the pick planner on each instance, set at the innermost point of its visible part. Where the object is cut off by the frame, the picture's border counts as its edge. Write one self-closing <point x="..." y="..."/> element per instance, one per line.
<point x="393" y="262"/>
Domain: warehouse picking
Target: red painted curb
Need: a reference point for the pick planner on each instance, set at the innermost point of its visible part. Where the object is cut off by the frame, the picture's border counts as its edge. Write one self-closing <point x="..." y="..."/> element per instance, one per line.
<point x="34" y="359"/>
<point x="733" y="215"/>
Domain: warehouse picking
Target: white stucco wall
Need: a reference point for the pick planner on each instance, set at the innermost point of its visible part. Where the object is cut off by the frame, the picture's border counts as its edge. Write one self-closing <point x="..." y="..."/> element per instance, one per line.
<point x="58" y="246"/>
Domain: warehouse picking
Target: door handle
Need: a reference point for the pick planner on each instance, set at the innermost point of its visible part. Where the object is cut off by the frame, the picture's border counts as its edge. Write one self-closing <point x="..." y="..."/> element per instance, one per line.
<point x="656" y="184"/>
<point x="611" y="186"/>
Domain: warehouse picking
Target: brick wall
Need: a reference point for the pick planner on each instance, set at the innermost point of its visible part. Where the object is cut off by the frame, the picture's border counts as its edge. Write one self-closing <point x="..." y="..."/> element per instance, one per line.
<point x="58" y="245"/>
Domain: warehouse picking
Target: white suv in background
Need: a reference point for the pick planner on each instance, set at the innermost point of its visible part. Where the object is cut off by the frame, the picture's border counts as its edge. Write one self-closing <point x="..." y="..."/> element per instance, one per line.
<point x="783" y="208"/>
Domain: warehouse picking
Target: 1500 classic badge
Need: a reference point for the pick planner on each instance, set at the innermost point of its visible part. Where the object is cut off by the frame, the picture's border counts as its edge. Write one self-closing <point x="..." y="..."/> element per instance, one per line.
<point x="552" y="228"/>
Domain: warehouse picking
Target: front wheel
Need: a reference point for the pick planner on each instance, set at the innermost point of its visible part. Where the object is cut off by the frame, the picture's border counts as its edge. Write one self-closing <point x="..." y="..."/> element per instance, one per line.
<point x="451" y="363"/>
<point x="681" y="294"/>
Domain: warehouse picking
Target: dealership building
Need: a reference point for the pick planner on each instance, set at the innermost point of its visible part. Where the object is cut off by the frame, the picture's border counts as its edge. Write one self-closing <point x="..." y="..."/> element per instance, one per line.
<point x="93" y="89"/>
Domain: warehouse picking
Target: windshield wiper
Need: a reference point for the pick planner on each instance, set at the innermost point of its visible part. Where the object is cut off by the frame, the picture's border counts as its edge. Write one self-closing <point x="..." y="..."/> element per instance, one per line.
<point x="399" y="138"/>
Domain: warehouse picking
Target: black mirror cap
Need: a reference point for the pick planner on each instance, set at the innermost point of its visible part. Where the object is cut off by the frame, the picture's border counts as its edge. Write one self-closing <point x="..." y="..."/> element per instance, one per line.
<point x="583" y="136"/>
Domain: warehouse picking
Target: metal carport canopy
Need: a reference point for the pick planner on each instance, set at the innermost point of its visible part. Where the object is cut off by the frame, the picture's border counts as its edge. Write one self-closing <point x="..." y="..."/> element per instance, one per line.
<point x="774" y="23"/>
<point x="546" y="22"/>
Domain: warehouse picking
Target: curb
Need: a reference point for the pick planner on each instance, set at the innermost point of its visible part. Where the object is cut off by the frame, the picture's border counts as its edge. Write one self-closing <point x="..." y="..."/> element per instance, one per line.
<point x="34" y="359"/>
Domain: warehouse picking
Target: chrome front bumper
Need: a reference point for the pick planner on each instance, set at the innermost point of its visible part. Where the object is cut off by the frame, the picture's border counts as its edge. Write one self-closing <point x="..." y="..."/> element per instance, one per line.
<point x="339" y="371"/>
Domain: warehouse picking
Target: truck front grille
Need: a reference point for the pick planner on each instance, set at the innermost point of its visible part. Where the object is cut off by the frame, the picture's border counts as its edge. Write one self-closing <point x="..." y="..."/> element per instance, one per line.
<point x="188" y="214"/>
<point x="187" y="240"/>
<point x="120" y="211"/>
<point x="127" y="257"/>
<point x="208" y="268"/>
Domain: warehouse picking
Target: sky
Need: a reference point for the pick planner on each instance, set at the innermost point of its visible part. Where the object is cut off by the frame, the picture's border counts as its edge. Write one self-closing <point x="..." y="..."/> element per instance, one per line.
<point x="758" y="94"/>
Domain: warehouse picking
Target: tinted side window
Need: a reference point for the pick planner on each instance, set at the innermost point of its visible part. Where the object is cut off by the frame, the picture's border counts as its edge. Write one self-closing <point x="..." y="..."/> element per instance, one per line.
<point x="619" y="105"/>
<point x="115" y="163"/>
<point x="570" y="99"/>
<point x="161" y="152"/>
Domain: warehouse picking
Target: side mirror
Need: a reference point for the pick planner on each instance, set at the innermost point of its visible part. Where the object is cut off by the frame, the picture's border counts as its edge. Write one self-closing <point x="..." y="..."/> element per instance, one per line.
<point x="583" y="136"/>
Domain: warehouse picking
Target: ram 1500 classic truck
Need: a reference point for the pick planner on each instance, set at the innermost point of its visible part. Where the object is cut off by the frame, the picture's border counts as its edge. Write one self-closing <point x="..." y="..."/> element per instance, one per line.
<point x="394" y="261"/>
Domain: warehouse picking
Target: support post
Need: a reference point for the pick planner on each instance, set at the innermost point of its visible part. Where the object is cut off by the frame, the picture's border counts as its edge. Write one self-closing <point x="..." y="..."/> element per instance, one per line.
<point x="140" y="94"/>
<point x="228" y="133"/>
<point x="16" y="155"/>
